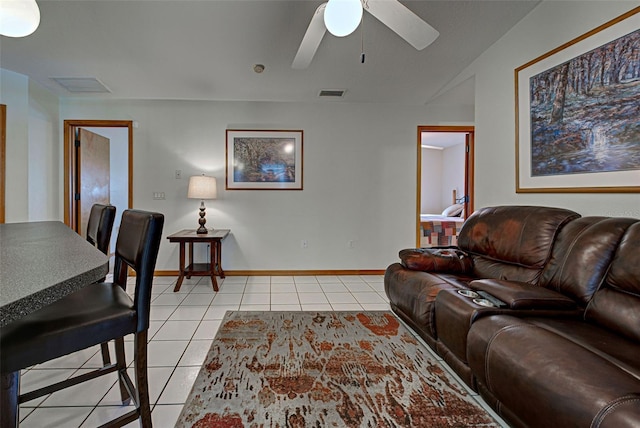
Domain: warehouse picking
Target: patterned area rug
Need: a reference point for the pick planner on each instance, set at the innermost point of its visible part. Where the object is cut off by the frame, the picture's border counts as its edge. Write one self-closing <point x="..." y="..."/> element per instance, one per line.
<point x="324" y="369"/>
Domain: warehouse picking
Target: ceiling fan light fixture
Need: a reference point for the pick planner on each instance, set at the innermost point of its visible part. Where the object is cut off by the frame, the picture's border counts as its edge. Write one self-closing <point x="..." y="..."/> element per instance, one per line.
<point x="18" y="18"/>
<point x="342" y="17"/>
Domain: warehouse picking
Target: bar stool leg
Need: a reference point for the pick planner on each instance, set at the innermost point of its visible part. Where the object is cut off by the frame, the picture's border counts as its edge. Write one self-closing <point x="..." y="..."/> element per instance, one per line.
<point x="122" y="365"/>
<point x="142" y="384"/>
<point x="9" y="399"/>
<point x="104" y="349"/>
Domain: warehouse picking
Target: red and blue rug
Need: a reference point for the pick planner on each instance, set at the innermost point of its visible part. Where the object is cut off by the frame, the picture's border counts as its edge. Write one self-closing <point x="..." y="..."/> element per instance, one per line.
<point x="324" y="369"/>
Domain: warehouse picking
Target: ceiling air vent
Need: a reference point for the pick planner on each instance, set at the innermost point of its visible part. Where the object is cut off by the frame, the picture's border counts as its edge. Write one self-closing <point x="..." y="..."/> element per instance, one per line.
<point x="332" y="93"/>
<point x="82" y="84"/>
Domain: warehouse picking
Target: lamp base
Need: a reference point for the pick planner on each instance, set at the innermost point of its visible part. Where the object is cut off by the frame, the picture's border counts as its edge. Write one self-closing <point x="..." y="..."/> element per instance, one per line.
<point x="202" y="221"/>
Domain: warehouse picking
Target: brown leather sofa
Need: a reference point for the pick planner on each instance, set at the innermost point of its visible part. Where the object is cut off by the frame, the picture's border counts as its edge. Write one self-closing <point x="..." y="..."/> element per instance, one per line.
<point x="543" y="321"/>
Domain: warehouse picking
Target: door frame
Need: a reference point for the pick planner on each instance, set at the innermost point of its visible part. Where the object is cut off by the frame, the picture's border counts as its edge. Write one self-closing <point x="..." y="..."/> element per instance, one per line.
<point x="468" y="168"/>
<point x="70" y="162"/>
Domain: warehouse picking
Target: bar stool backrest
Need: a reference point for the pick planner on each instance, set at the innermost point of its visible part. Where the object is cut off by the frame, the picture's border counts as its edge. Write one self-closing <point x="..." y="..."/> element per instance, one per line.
<point x="137" y="248"/>
<point x="100" y="226"/>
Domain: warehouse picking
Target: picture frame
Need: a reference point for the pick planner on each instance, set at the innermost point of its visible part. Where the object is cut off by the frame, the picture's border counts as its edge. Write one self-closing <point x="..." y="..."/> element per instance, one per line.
<point x="264" y="159"/>
<point x="576" y="130"/>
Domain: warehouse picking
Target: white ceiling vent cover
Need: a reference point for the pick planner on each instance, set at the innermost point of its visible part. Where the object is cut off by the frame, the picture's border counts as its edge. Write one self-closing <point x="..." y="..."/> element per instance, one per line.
<point x="82" y="84"/>
<point x="332" y="93"/>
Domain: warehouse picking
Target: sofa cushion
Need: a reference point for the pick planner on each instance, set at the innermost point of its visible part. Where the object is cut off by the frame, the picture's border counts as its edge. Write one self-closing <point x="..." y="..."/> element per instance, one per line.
<point x="512" y="242"/>
<point x="616" y="305"/>
<point x="618" y="350"/>
<point x="435" y="259"/>
<point x="582" y="254"/>
<point x="551" y="379"/>
<point x="616" y="311"/>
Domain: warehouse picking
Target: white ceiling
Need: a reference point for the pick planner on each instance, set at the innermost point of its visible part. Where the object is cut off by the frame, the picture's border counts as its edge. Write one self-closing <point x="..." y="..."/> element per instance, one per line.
<point x="205" y="50"/>
<point x="442" y="139"/>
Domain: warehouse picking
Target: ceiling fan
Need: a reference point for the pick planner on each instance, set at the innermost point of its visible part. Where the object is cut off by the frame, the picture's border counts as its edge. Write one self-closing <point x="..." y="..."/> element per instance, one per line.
<point x="391" y="13"/>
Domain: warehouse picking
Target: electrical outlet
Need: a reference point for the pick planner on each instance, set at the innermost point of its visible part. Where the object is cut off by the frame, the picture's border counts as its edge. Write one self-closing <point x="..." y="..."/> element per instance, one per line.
<point x="304" y="244"/>
<point x="178" y="174"/>
<point x="351" y="243"/>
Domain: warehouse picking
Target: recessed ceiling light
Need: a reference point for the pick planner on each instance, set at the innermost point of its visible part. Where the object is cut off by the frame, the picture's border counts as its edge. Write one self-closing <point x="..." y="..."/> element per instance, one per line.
<point x="82" y="84"/>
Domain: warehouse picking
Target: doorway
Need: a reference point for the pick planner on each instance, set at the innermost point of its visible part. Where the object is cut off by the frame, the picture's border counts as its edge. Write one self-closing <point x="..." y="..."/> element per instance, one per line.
<point x="89" y="177"/>
<point x="452" y="164"/>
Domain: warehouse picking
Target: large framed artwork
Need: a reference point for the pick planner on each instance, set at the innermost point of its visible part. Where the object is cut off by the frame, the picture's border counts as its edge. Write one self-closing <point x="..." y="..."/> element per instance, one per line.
<point x="264" y="159"/>
<point x="578" y="113"/>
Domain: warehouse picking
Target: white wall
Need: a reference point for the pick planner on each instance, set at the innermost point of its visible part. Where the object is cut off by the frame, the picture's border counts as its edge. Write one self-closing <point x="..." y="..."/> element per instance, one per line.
<point x="44" y="153"/>
<point x="551" y="24"/>
<point x="359" y="178"/>
<point x="431" y="181"/>
<point x="15" y="94"/>
<point x="452" y="173"/>
<point x="33" y="152"/>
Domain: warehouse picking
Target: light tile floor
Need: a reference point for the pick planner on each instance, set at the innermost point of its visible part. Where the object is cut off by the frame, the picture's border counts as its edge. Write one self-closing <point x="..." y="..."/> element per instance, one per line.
<point x="183" y="325"/>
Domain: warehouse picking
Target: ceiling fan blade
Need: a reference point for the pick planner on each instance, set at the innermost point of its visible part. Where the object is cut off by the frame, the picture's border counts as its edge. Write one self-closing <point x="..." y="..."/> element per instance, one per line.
<point x="404" y="22"/>
<point x="311" y="40"/>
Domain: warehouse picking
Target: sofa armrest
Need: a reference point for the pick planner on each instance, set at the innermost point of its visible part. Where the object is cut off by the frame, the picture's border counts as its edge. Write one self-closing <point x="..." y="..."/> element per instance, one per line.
<point x="522" y="295"/>
<point x="436" y="259"/>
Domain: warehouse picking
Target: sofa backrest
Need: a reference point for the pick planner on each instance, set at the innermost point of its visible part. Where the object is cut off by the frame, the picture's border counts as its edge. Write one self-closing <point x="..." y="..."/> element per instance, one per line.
<point x="582" y="254"/>
<point x="616" y="304"/>
<point x="512" y="242"/>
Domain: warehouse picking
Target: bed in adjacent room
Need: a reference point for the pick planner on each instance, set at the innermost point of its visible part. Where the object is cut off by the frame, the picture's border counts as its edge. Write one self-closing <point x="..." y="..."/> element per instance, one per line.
<point x="438" y="230"/>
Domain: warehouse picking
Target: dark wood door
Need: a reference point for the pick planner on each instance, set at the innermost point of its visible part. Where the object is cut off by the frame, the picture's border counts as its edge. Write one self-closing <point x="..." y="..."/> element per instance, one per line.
<point x="93" y="174"/>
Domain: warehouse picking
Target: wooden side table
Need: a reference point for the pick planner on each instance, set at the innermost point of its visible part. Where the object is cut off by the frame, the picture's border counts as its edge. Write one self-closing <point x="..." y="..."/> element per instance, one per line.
<point x="214" y="267"/>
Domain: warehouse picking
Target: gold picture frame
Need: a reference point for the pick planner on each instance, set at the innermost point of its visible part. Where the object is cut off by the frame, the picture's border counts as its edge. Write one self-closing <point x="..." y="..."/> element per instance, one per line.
<point x="575" y="132"/>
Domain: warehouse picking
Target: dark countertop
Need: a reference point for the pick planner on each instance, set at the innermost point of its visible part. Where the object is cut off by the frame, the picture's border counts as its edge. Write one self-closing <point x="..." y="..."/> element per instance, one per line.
<point x="41" y="262"/>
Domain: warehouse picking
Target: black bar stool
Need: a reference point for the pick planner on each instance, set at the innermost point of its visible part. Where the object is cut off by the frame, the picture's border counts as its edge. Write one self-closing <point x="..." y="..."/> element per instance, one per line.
<point x="92" y="315"/>
<point x="99" y="228"/>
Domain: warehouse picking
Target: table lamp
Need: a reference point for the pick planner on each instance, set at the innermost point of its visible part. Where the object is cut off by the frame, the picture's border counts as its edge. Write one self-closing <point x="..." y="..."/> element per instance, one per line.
<point x="202" y="187"/>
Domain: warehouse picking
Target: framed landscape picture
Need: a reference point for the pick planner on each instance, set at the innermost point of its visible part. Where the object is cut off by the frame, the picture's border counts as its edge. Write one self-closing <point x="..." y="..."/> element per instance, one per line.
<point x="264" y="159"/>
<point x="577" y="114"/>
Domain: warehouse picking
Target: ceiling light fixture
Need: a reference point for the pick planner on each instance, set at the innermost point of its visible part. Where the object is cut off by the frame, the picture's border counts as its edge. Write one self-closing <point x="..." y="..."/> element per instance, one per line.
<point x="342" y="17"/>
<point x="18" y="18"/>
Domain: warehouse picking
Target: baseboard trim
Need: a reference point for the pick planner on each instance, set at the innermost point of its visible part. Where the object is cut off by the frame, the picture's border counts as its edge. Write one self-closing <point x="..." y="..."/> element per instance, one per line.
<point x="285" y="272"/>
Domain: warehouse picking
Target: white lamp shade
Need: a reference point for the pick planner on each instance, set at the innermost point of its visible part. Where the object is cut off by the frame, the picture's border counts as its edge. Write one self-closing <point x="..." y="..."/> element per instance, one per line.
<point x="342" y="17"/>
<point x="202" y="187"/>
<point x="18" y="18"/>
